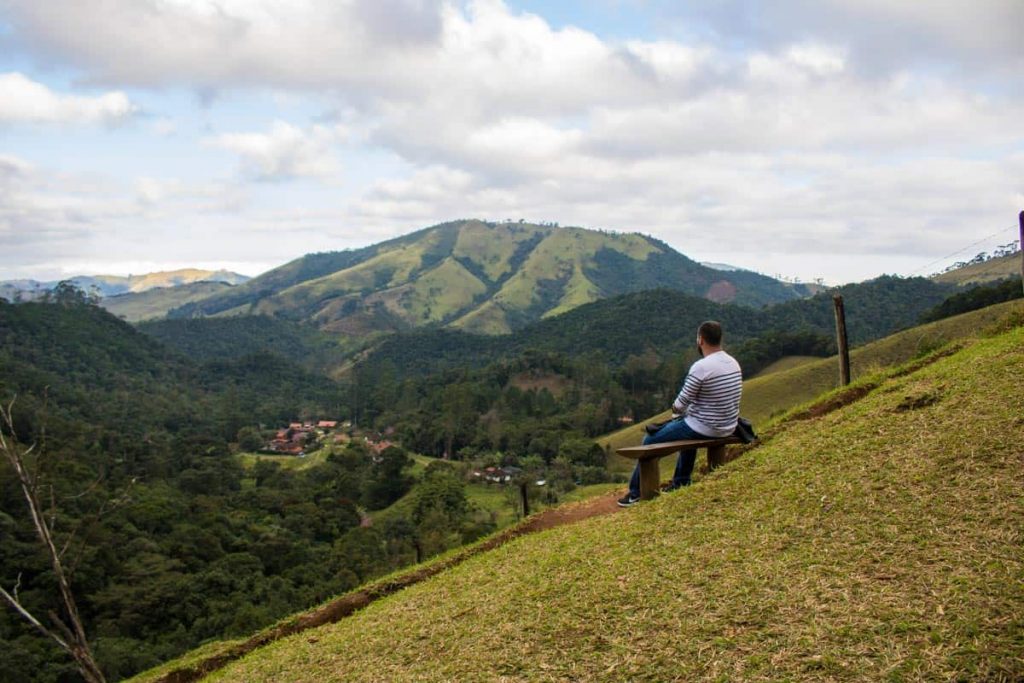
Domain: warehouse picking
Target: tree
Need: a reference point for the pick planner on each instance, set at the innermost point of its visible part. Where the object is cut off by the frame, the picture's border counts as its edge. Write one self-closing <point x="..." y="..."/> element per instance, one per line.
<point x="249" y="439"/>
<point x="69" y="634"/>
<point x="387" y="483"/>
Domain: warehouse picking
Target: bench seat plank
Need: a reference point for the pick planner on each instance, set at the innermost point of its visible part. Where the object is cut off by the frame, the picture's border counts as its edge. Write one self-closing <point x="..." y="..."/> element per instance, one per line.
<point x="648" y="456"/>
<point x="658" y="450"/>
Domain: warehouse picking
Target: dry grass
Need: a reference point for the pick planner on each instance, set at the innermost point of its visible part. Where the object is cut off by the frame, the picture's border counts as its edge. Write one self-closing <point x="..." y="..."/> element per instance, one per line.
<point x="989" y="271"/>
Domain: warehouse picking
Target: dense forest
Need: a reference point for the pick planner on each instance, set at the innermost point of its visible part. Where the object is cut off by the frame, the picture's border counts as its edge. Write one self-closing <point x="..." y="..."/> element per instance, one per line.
<point x="976" y="297"/>
<point x="174" y="541"/>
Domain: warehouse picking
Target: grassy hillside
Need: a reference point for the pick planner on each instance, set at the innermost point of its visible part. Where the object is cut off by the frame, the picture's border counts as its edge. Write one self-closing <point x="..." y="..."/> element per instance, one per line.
<point x="487" y="278"/>
<point x="154" y="303"/>
<point x="979" y="273"/>
<point x="769" y="395"/>
<point x="880" y="541"/>
<point x="787" y="363"/>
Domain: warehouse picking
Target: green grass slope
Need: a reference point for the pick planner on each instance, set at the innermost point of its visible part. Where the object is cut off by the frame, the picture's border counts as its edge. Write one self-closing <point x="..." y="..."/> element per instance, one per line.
<point x="771" y="394"/>
<point x="787" y="363"/>
<point x="151" y="304"/>
<point x="881" y="541"/>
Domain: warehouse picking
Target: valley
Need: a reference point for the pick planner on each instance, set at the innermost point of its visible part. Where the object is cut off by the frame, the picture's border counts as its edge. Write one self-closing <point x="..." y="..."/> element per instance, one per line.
<point x="202" y="426"/>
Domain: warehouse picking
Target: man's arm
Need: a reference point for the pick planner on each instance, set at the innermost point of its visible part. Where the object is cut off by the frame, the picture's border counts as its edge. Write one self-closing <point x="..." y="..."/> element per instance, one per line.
<point x="687" y="395"/>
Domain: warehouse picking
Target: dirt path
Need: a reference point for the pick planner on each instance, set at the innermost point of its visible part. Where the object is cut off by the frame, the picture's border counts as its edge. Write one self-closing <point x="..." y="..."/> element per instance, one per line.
<point x="349" y="603"/>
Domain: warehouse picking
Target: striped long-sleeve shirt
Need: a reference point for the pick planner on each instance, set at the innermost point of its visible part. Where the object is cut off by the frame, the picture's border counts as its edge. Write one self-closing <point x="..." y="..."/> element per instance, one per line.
<point x="710" y="397"/>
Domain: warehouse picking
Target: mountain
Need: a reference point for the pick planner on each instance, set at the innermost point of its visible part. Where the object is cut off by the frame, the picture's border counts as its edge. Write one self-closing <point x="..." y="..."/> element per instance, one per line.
<point x="154" y="303"/>
<point x="480" y="277"/>
<point x="112" y="285"/>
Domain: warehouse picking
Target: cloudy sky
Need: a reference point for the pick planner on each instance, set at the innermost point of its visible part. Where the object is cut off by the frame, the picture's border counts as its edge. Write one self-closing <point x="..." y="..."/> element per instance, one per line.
<point x="838" y="139"/>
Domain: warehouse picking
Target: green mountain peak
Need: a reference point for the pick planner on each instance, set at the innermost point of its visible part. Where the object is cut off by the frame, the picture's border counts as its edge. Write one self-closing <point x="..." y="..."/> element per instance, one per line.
<point x="481" y="277"/>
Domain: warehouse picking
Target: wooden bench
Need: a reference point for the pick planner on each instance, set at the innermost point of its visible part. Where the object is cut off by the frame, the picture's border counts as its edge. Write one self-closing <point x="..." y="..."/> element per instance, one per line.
<point x="650" y="477"/>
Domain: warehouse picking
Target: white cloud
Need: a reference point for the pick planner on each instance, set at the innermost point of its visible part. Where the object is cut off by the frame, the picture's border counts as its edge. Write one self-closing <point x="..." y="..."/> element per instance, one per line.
<point x="52" y="221"/>
<point x="44" y="213"/>
<point x="23" y="100"/>
<point x="978" y="37"/>
<point x="286" y="151"/>
<point x="860" y="126"/>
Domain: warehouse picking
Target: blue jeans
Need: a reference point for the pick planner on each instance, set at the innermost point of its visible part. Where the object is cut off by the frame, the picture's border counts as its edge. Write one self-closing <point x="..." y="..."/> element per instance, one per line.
<point x="676" y="430"/>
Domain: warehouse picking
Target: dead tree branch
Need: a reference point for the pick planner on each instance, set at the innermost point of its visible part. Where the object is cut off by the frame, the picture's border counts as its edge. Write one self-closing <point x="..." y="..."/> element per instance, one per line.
<point x="74" y="640"/>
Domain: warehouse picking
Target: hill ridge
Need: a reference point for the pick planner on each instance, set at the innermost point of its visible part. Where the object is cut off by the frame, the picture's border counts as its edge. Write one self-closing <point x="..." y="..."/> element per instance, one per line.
<point x="482" y="277"/>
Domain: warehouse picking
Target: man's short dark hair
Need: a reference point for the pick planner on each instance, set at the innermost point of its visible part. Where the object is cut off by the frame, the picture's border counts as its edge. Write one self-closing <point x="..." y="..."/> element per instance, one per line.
<point x="711" y="332"/>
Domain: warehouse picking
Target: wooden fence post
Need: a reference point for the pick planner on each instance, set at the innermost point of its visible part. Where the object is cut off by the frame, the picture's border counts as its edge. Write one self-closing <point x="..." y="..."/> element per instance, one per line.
<point x="844" y="349"/>
<point x="526" y="499"/>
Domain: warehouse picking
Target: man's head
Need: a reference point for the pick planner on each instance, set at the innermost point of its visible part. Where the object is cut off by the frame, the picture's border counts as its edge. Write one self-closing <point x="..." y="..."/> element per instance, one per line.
<point x="709" y="336"/>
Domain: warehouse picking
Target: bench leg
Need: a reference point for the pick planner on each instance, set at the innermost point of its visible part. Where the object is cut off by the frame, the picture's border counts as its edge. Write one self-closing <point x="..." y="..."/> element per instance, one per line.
<point x="650" y="479"/>
<point x="716" y="457"/>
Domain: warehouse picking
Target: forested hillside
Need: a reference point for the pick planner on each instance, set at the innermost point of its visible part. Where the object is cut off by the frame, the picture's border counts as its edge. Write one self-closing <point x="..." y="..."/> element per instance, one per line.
<point x="172" y="542"/>
<point x="975" y="298"/>
<point x="208" y="339"/>
<point x="663" y="323"/>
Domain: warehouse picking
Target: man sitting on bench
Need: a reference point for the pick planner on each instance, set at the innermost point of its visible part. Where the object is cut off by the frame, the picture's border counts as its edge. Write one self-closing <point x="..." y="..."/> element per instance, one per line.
<point x="706" y="408"/>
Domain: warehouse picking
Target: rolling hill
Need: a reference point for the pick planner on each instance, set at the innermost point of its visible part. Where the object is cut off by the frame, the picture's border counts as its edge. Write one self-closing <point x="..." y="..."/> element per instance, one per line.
<point x="488" y="278"/>
<point x="876" y="541"/>
<point x="991" y="270"/>
<point x="152" y="304"/>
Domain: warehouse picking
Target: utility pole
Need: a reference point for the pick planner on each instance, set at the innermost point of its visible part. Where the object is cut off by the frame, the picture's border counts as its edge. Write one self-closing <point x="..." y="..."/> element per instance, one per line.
<point x="844" y="349"/>
<point x="1021" y="245"/>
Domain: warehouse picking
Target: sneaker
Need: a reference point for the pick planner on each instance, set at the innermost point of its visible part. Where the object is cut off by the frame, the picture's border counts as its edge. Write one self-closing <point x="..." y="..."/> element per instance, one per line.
<point x="628" y="500"/>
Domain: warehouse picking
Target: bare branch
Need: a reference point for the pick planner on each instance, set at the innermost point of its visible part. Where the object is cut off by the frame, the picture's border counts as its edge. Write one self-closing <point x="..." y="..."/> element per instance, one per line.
<point x="13" y="602"/>
<point x="53" y="510"/>
<point x="61" y="626"/>
<point x="75" y="641"/>
<point x="88" y="489"/>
